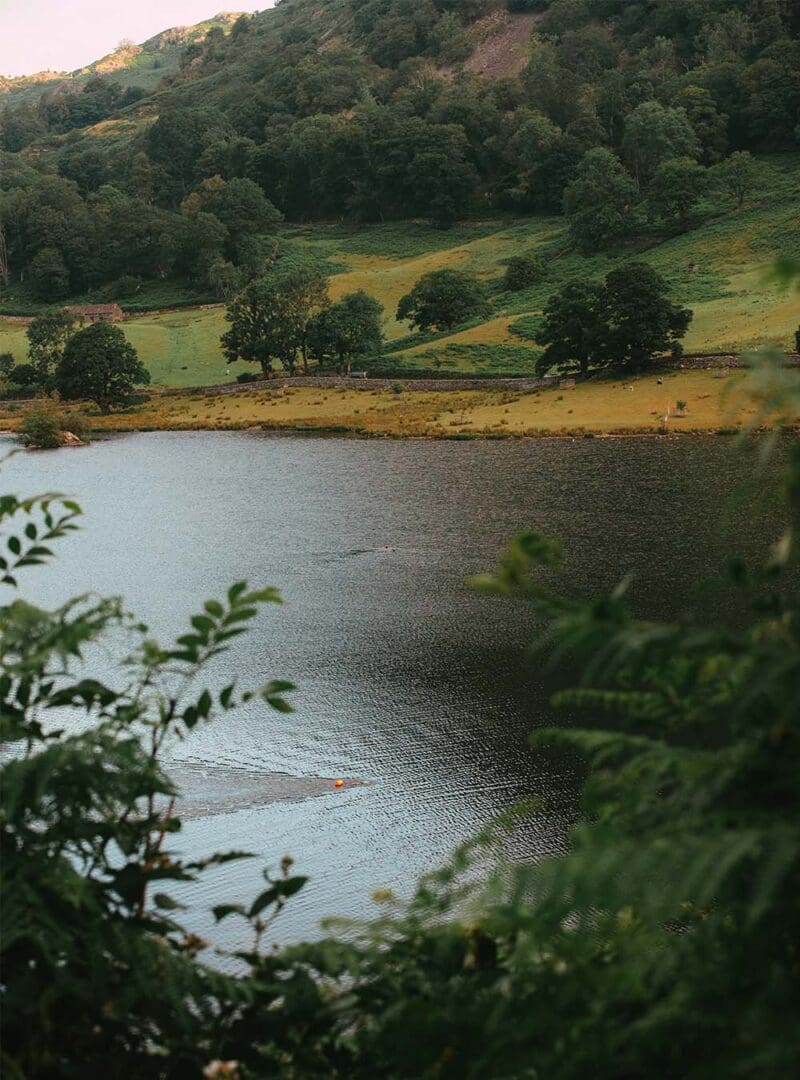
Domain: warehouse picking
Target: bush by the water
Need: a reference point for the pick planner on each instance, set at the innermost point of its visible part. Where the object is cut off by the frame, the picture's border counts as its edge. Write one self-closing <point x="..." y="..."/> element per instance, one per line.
<point x="45" y="426"/>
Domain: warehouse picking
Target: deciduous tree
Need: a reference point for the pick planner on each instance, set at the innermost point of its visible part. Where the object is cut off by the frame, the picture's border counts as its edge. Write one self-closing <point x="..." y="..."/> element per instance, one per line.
<point x="675" y="190"/>
<point x="100" y="365"/>
<point x="574" y="328"/>
<point x="441" y="299"/>
<point x="601" y="201"/>
<point x="260" y="331"/>
<point x="346" y="330"/>
<point x="47" y="336"/>
<point x="738" y="175"/>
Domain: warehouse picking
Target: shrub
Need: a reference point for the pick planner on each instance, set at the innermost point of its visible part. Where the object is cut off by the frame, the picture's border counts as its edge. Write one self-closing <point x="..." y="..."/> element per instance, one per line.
<point x="248" y="376"/>
<point x="41" y="428"/>
<point x="523" y="271"/>
<point x="44" y="426"/>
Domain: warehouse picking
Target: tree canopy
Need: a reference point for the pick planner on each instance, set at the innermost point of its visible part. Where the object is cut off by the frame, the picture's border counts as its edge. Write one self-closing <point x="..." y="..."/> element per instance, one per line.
<point x="99" y="364"/>
<point x="441" y="299"/>
<point x="338" y="112"/>
<point x="346" y="330"/>
<point x="624" y="322"/>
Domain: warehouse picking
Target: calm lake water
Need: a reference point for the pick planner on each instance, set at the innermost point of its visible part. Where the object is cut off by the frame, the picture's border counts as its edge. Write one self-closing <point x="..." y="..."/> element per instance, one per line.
<point x="406" y="679"/>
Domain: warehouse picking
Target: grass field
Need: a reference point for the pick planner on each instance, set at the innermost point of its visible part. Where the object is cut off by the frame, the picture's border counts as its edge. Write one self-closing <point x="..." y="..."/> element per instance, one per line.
<point x="719" y="269"/>
<point x="633" y="406"/>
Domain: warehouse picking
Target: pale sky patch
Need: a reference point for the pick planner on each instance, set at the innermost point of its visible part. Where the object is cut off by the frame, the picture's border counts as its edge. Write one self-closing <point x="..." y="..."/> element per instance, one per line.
<point x="63" y="35"/>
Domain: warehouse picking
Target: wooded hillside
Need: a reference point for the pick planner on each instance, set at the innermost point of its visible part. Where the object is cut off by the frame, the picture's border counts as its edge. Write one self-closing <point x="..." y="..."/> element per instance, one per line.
<point x="618" y="113"/>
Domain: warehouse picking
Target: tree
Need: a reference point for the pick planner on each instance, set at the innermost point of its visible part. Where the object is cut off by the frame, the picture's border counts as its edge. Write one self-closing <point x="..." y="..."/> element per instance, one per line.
<point x="600" y="203"/>
<point x="738" y="175"/>
<point x="346" y="330"/>
<point x="239" y="204"/>
<point x="48" y="274"/>
<point x="303" y="293"/>
<point x="100" y="365"/>
<point x="675" y="190"/>
<point x="522" y="271"/>
<point x="575" y="328"/>
<point x="47" y="336"/>
<point x="24" y="375"/>
<point x="260" y="330"/>
<point x="655" y="133"/>
<point x="441" y="299"/>
<point x="623" y="323"/>
<point x="642" y="320"/>
<point x="709" y="125"/>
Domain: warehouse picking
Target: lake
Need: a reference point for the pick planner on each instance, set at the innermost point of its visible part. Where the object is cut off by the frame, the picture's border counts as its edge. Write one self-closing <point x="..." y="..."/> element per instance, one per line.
<point x="406" y="679"/>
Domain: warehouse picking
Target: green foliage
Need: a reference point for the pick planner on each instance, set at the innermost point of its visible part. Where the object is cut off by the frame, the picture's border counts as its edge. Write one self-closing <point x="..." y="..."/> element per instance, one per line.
<point x="42" y="427"/>
<point x="90" y="931"/>
<point x="600" y="202"/>
<point x="441" y="299"/>
<point x="100" y="365"/>
<point x="522" y="271"/>
<point x="654" y="134"/>
<point x="623" y="323"/>
<point x="676" y="188"/>
<point x="574" y="328"/>
<point x="346" y="330"/>
<point x="271" y="318"/>
<point x="334" y="113"/>
<point x="738" y="175"/>
<point x="48" y="336"/>
<point x="45" y="425"/>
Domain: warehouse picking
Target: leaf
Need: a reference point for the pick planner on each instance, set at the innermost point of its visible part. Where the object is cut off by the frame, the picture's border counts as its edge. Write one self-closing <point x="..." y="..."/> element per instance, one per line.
<point x="166" y="903"/>
<point x="222" y="911"/>
<point x="235" y="591"/>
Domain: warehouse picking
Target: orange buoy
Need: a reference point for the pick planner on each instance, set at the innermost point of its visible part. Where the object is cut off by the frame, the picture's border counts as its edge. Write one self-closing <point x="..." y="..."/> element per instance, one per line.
<point x="338" y="783"/>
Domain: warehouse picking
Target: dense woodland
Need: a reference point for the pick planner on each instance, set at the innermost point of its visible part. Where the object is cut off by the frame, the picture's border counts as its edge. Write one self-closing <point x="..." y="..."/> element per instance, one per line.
<point x="622" y="117"/>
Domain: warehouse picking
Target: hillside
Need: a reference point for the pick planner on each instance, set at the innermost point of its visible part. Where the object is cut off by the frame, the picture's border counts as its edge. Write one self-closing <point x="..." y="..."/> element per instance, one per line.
<point x="720" y="270"/>
<point x="396" y="137"/>
<point x="142" y="66"/>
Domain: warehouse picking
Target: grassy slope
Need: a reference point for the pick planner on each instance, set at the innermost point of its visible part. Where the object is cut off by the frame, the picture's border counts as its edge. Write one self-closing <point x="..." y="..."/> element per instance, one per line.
<point x="735" y="308"/>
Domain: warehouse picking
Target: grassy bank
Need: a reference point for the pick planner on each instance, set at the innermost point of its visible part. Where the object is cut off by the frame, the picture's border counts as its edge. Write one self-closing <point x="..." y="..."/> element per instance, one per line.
<point x="631" y="406"/>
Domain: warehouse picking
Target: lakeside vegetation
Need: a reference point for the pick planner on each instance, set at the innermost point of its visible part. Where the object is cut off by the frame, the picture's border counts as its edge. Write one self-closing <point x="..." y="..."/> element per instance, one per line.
<point x="636" y="404"/>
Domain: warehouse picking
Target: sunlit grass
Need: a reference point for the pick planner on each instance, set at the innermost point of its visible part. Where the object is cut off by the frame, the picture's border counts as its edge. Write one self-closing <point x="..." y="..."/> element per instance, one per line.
<point x="602" y="406"/>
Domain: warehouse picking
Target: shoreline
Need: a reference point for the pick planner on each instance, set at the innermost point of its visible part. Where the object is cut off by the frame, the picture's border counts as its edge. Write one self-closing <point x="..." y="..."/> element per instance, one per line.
<point x="652" y="405"/>
<point x="321" y="432"/>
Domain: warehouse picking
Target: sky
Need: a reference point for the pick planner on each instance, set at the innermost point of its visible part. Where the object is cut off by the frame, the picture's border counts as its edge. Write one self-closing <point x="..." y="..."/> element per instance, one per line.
<point x="62" y="35"/>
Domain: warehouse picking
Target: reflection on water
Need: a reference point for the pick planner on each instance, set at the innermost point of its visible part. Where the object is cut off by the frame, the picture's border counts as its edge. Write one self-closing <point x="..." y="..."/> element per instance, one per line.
<point x="406" y="678"/>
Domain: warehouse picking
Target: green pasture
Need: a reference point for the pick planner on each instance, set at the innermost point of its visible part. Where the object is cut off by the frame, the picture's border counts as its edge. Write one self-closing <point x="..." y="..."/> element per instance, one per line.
<point x="720" y="269"/>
